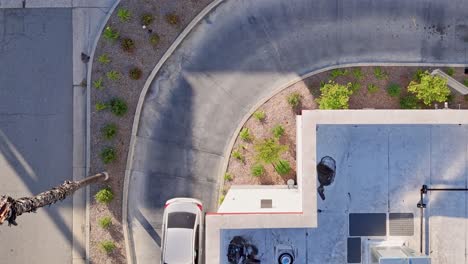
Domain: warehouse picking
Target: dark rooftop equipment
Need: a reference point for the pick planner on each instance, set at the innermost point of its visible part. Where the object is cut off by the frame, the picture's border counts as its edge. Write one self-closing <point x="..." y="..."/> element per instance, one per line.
<point x="368" y="224"/>
<point x="354" y="249"/>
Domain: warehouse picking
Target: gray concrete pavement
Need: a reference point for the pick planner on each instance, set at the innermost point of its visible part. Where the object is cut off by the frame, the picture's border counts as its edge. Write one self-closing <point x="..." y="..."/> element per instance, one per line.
<point x="241" y="52"/>
<point x="36" y="129"/>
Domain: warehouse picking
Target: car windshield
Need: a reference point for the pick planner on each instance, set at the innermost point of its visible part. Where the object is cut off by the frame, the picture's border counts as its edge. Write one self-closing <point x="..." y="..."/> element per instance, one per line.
<point x="181" y="220"/>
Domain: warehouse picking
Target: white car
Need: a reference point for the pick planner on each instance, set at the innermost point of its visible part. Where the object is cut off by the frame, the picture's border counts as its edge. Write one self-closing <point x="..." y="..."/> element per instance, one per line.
<point x="182" y="231"/>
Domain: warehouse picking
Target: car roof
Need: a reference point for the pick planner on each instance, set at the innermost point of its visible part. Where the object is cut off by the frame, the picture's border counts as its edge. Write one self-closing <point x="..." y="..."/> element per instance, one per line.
<point x="179" y="248"/>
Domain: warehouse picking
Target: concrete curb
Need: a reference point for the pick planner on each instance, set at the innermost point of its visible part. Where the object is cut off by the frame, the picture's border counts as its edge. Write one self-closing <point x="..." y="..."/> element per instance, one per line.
<point x="136" y="120"/>
<point x="228" y="149"/>
<point x="88" y="117"/>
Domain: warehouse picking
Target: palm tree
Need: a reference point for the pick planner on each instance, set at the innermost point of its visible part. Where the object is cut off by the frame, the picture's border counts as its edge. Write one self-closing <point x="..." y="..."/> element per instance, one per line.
<point x="11" y="208"/>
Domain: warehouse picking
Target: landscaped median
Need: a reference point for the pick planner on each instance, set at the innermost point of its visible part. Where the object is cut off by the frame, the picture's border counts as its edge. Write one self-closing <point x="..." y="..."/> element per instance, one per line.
<point x="132" y="42"/>
<point x="264" y="152"/>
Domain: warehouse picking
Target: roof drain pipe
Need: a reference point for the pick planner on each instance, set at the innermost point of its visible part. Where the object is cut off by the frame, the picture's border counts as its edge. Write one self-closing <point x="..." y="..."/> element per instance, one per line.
<point x="421" y="205"/>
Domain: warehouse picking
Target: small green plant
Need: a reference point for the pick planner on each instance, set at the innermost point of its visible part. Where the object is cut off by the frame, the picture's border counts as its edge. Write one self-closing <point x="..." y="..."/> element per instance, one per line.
<point x="109" y="131"/>
<point x="269" y="150"/>
<point x="380" y="74"/>
<point x="337" y="73"/>
<point x="465" y="97"/>
<point x="124" y="14"/>
<point x="98" y="83"/>
<point x="135" y="73"/>
<point x="259" y="115"/>
<point x="357" y="73"/>
<point x="278" y="131"/>
<point x="118" y="106"/>
<point x="417" y="75"/>
<point x="450" y="71"/>
<point x="409" y="102"/>
<point x="127" y="45"/>
<point x="294" y="100"/>
<point x="257" y="170"/>
<point x="104" y="59"/>
<point x="172" y="19"/>
<point x="221" y="199"/>
<point x="107" y="246"/>
<point x="101" y="106"/>
<point x="282" y="167"/>
<point x="154" y="39"/>
<point x="227" y="176"/>
<point x="245" y="134"/>
<point x="113" y="75"/>
<point x="372" y="88"/>
<point x="394" y="90"/>
<point x="430" y="89"/>
<point x="147" y="19"/>
<point x="237" y="155"/>
<point x="110" y="34"/>
<point x="104" y="195"/>
<point x="465" y="82"/>
<point x="354" y="87"/>
<point x="334" y="96"/>
<point x="108" y="155"/>
<point x="105" y="222"/>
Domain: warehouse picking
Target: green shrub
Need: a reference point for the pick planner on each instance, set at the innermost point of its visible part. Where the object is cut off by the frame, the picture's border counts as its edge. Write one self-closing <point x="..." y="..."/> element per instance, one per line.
<point x="172" y="19"/>
<point x="282" y="167"/>
<point x="380" y="74"/>
<point x="394" y="90"/>
<point x="98" y="83"/>
<point x="269" y="150"/>
<point x="278" y="131"/>
<point x="259" y="115"/>
<point x="372" y="88"/>
<point x="334" y="96"/>
<point x="237" y="155"/>
<point x="109" y="131"/>
<point x="221" y="199"/>
<point x="110" y="34"/>
<point x="104" y="59"/>
<point x="417" y="75"/>
<point x="124" y="14"/>
<point x="227" y="176"/>
<point x="430" y="89"/>
<point x="450" y="71"/>
<point x="154" y="39"/>
<point x="354" y="87"/>
<point x="245" y="134"/>
<point x="108" y="155"/>
<point x="294" y="100"/>
<point x="147" y="19"/>
<point x="357" y="73"/>
<point x="257" y="170"/>
<point x="101" y="106"/>
<point x="135" y="73"/>
<point x="337" y="73"/>
<point x="409" y="102"/>
<point x="113" y="75"/>
<point x="465" y="82"/>
<point x="118" y="106"/>
<point x="104" y="195"/>
<point x="127" y="45"/>
<point x="107" y="246"/>
<point x="105" y="222"/>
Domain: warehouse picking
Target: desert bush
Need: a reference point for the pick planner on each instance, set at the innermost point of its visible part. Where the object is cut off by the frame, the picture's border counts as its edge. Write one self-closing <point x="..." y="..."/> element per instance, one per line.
<point x="101" y="106"/>
<point x="282" y="167"/>
<point x="227" y="176"/>
<point x="124" y="14"/>
<point x="357" y="73"/>
<point x="337" y="73"/>
<point x="104" y="59"/>
<point x="372" y="88"/>
<point x="245" y="134"/>
<point x="110" y="34"/>
<point x="380" y="74"/>
<point x="108" y="155"/>
<point x="237" y="155"/>
<point x="334" y="96"/>
<point x="430" y="89"/>
<point x="172" y="19"/>
<point x="394" y="90"/>
<point x="269" y="150"/>
<point x="417" y="75"/>
<point x="278" y="131"/>
<point x="257" y="170"/>
<point x="354" y="87"/>
<point x="221" y="199"/>
<point x="147" y="19"/>
<point x="465" y="82"/>
<point x="127" y="45"/>
<point x="135" y="73"/>
<point x="259" y="115"/>
<point x="409" y="102"/>
<point x="154" y="39"/>
<point x="105" y="222"/>
<point x="98" y="83"/>
<point x="113" y="75"/>
<point x="107" y="246"/>
<point x="294" y="100"/>
<point x="450" y="71"/>
<point x="118" y="106"/>
<point x="104" y="195"/>
<point x="109" y="131"/>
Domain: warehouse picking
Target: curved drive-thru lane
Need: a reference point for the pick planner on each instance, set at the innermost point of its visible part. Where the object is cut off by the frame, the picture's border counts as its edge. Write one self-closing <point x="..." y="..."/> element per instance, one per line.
<point x="242" y="51"/>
